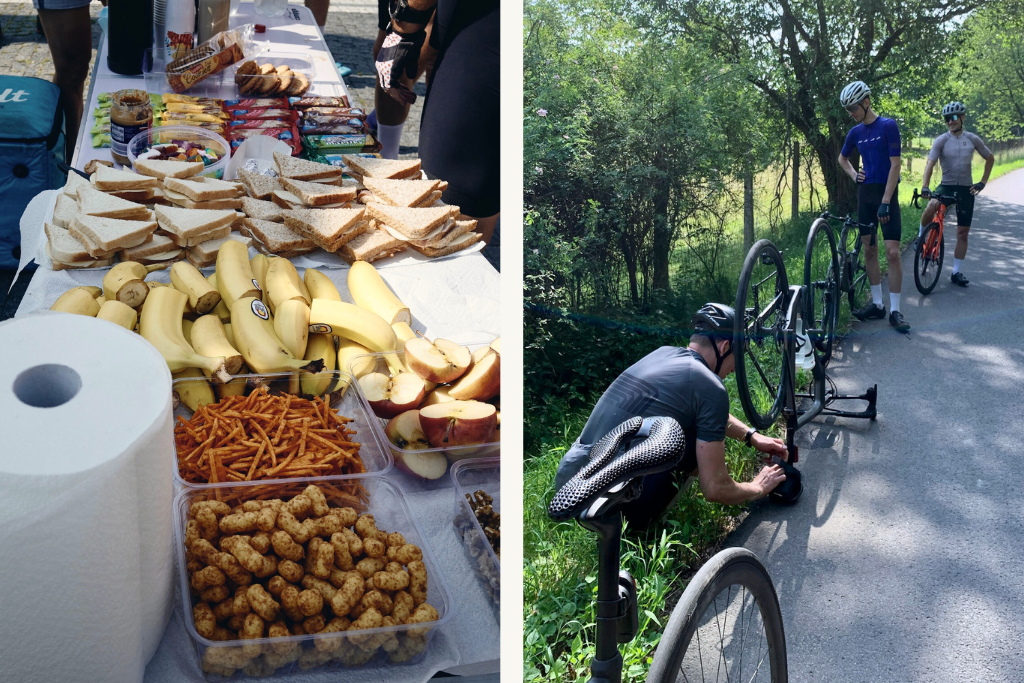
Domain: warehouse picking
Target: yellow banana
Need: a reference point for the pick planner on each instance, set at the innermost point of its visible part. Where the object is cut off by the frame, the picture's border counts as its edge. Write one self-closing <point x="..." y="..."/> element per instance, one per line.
<point x="208" y="339"/>
<point x="221" y="309"/>
<point x="119" y="314"/>
<point x="357" y="324"/>
<point x="319" y="285"/>
<point x="260" y="346"/>
<point x="193" y="393"/>
<point x="102" y="300"/>
<point x="96" y="292"/>
<point x="291" y="322"/>
<point x="281" y="283"/>
<point x="229" y="335"/>
<point x="186" y="329"/>
<point x="126" y="282"/>
<point x="404" y="333"/>
<point x="369" y="291"/>
<point x="259" y="264"/>
<point x="76" y="300"/>
<point x="187" y="279"/>
<point x="319" y="347"/>
<point x="347" y="350"/>
<point x="160" y="325"/>
<point x="234" y="276"/>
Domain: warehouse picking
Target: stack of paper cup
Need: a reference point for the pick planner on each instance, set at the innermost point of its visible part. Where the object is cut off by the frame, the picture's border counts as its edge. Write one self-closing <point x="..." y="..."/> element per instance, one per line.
<point x="159" y="21"/>
<point x="85" y="500"/>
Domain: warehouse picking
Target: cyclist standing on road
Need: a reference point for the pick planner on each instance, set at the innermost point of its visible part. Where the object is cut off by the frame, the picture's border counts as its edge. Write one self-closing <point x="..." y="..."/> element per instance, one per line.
<point x="954" y="150"/>
<point x="878" y="141"/>
<point x="686" y="385"/>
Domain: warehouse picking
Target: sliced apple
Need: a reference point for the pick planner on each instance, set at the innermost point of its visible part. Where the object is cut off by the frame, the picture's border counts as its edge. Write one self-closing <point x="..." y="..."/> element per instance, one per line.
<point x="404" y="431"/>
<point x="479" y="354"/>
<point x="438" y="395"/>
<point x="496" y="345"/>
<point x="459" y="423"/>
<point x="425" y="465"/>
<point x="483" y="381"/>
<point x="442" y="361"/>
<point x="390" y="396"/>
<point x="407" y="437"/>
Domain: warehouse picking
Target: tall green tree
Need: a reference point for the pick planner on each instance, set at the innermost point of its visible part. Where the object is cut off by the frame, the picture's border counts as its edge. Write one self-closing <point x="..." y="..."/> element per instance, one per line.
<point x="991" y="76"/>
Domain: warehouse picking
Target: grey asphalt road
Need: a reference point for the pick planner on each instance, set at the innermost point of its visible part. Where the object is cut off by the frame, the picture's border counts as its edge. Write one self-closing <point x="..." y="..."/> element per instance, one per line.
<point x="904" y="559"/>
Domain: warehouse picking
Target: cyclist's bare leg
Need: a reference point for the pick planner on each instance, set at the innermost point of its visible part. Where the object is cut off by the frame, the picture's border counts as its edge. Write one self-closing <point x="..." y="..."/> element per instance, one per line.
<point x="871" y="259"/>
<point x="892" y="255"/>
<point x="929" y="212"/>
<point x="961" y="241"/>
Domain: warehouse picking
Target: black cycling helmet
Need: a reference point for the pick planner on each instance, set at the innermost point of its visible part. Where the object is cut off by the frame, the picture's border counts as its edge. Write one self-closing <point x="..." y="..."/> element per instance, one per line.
<point x="715" y="321"/>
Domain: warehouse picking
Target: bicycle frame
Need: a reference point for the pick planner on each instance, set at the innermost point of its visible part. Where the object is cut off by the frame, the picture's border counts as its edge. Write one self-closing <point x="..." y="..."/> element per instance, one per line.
<point x="931" y="247"/>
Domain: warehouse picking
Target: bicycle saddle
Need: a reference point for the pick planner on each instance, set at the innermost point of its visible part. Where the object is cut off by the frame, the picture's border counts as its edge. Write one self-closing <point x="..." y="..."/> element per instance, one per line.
<point x="634" y="449"/>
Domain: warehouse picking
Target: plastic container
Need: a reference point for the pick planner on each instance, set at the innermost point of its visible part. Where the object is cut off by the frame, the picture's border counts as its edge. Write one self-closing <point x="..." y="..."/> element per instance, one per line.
<point x="374" y="362"/>
<point x="158" y="135"/>
<point x="298" y="62"/>
<point x="375" y="456"/>
<point x="387" y="503"/>
<point x="469" y="477"/>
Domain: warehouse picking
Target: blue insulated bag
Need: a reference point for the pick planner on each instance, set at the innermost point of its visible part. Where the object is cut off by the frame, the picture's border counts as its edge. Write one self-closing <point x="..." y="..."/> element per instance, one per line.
<point x="31" y="146"/>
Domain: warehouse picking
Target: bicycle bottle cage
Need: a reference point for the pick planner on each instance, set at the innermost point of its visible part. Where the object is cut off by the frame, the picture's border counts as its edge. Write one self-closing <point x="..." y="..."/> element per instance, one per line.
<point x="651" y="446"/>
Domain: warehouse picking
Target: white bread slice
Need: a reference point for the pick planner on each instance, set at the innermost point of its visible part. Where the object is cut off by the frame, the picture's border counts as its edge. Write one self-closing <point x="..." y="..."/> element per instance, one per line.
<point x="208" y="249"/>
<point x="95" y="203"/>
<point x="458" y="244"/>
<point x="185" y="224"/>
<point x="412" y="223"/>
<point x="107" y="179"/>
<point x="62" y="246"/>
<point x="158" y="245"/>
<point x="258" y="185"/>
<point x="111" y="234"/>
<point x="264" y="211"/>
<point x="286" y="200"/>
<point x="74" y="182"/>
<point x="372" y="245"/>
<point x="447" y="236"/>
<point x="327" y="228"/>
<point x="168" y="257"/>
<point x="95" y="251"/>
<point x="64" y="210"/>
<point x="60" y="265"/>
<point x="396" y="169"/>
<point x="168" y="168"/>
<point x="276" y="237"/>
<point x="429" y="201"/>
<point x="401" y="192"/>
<point x="317" y="194"/>
<point x="193" y="240"/>
<point x="202" y="190"/>
<point x="303" y="169"/>
<point x="339" y="180"/>
<point x="140" y="196"/>
<point x="178" y="199"/>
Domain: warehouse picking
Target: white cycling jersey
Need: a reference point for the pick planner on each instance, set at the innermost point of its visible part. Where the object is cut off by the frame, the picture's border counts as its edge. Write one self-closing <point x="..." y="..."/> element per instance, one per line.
<point x="955" y="153"/>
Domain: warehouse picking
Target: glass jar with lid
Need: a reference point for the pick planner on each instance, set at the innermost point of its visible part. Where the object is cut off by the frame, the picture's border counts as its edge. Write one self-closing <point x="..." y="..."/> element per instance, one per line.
<point x="131" y="112"/>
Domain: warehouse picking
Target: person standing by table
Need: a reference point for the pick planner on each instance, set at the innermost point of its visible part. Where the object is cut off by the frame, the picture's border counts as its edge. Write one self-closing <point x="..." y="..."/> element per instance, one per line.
<point x="460" y="129"/>
<point x="319" y="9"/>
<point x="68" y="29"/>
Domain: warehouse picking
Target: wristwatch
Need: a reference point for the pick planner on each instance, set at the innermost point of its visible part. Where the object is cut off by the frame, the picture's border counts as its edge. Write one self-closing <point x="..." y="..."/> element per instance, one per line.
<point x="749" y="436"/>
<point x="400" y="11"/>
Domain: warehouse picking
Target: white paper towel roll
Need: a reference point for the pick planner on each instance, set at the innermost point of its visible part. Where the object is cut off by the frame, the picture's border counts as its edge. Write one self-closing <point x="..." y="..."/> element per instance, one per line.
<point x="86" y="450"/>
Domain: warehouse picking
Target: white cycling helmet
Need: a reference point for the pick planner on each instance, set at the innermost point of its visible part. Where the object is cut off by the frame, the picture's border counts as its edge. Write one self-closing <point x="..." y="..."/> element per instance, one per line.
<point x="954" y="108"/>
<point x="854" y="93"/>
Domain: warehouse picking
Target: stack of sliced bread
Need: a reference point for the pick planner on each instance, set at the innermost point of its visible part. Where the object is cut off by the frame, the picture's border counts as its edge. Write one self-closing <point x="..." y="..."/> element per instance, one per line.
<point x="124" y="184"/>
<point x="196" y="230"/>
<point x="203" y="193"/>
<point x="328" y="229"/>
<point x="433" y="231"/>
<point x="361" y="168"/>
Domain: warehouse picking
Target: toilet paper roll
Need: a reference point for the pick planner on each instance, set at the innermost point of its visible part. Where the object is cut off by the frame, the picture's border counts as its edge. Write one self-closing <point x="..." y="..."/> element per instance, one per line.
<point x="86" y="450"/>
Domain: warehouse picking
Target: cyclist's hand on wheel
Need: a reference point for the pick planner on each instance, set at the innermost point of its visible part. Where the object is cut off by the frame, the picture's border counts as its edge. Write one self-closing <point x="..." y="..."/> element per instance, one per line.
<point x="770" y="446"/>
<point x="977" y="187"/>
<point x="768" y="478"/>
<point x="883" y="213"/>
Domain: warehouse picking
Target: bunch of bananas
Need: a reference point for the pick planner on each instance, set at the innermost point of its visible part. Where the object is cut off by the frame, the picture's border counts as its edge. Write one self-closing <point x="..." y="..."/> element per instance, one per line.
<point x="253" y="315"/>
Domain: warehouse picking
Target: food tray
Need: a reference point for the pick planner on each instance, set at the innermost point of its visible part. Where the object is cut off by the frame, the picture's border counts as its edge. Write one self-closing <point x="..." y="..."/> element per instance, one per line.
<point x="375" y="456"/>
<point x="297" y="62"/>
<point x="484" y="450"/>
<point x="387" y="503"/>
<point x="165" y="134"/>
<point x="470" y="476"/>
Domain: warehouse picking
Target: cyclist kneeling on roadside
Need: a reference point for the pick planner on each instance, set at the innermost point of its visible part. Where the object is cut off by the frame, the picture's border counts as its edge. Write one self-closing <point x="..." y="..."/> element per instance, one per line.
<point x="954" y="150"/>
<point x="686" y="385"/>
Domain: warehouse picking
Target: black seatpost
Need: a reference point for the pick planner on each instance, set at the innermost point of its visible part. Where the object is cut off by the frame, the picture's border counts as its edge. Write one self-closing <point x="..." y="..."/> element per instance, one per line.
<point x="607" y="664"/>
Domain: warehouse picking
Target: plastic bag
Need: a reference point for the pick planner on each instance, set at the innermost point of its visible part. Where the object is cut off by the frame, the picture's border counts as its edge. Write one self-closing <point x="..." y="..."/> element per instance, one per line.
<point x="209" y="58"/>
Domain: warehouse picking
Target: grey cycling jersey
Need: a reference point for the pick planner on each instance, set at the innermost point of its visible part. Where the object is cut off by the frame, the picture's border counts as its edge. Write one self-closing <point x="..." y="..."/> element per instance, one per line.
<point x="955" y="153"/>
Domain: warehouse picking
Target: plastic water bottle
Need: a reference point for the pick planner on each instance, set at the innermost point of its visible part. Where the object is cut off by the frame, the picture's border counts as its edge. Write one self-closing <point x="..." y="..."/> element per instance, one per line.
<point x="804" y="353"/>
<point x="271" y="8"/>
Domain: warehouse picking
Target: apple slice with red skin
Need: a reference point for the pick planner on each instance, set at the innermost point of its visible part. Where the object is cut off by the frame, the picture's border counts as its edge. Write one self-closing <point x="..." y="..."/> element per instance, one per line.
<point x="483" y="381"/>
<point x="390" y="396"/>
<point x="405" y="433"/>
<point x="459" y="423"/>
<point x="442" y="361"/>
<point x="438" y="395"/>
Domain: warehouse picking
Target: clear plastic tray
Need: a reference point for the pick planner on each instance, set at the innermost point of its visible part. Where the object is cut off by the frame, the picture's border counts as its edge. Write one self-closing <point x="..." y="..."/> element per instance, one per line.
<point x="470" y="476"/>
<point x="165" y="134"/>
<point x="484" y="450"/>
<point x="375" y="455"/>
<point x="387" y="503"/>
<point x="297" y="62"/>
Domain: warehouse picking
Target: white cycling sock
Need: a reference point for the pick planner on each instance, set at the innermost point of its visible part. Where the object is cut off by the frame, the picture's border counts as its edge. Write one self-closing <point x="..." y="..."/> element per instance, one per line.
<point x="390" y="137"/>
<point x="876" y="294"/>
<point x="894" y="302"/>
<point x="957" y="262"/>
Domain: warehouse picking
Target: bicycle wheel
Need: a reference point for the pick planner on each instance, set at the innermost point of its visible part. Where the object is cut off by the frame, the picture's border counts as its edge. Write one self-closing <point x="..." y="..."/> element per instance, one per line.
<point x="758" y="336"/>
<point x="727" y="626"/>
<point x="858" y="288"/>
<point x="821" y="298"/>
<point x="928" y="259"/>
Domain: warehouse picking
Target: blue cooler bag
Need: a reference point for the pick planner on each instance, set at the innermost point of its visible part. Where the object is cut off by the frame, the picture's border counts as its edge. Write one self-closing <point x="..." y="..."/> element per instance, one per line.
<point x="31" y="146"/>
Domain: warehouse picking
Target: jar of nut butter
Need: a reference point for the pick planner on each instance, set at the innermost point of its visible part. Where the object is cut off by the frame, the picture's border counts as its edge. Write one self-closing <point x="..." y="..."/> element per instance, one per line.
<point x="130" y="113"/>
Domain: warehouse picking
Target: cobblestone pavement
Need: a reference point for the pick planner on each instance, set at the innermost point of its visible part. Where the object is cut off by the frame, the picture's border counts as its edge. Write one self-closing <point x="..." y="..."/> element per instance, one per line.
<point x="350" y="31"/>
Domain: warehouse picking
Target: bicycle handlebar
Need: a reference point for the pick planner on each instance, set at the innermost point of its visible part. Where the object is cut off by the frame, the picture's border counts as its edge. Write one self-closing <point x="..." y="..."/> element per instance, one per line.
<point x="946" y="199"/>
<point x="847" y="220"/>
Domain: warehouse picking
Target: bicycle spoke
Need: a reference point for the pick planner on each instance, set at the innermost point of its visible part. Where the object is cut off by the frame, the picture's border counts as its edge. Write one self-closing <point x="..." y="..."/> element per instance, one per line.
<point x="767" y="383"/>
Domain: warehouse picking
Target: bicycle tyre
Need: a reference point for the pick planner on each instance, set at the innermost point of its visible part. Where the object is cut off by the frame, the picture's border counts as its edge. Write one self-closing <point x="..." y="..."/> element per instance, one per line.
<point x="767" y="339"/>
<point x="734" y="567"/>
<point x="857" y="275"/>
<point x="821" y="298"/>
<point x="927" y="268"/>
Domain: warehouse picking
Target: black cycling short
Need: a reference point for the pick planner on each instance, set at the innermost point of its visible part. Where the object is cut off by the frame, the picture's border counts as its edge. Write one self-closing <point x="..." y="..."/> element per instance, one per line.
<point x="869" y="196"/>
<point x="460" y="133"/>
<point x="964" y="202"/>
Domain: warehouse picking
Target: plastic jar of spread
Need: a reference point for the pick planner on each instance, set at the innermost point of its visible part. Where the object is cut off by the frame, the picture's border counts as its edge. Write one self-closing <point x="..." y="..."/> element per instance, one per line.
<point x="130" y="113"/>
